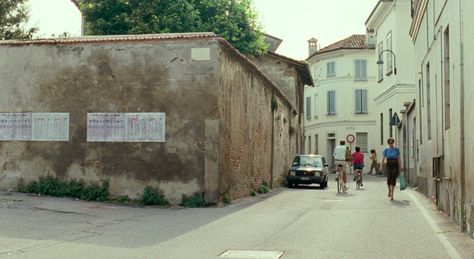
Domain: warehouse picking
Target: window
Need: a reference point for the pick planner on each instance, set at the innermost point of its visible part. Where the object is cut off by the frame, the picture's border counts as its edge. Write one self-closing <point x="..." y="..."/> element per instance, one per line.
<point x="446" y="76"/>
<point x="362" y="141"/>
<point x="309" y="144"/>
<point x="308" y="108"/>
<point x="390" y="115"/>
<point x="381" y="129"/>
<point x="316" y="102"/>
<point x="331" y="69"/>
<point x="316" y="142"/>
<point x="360" y="70"/>
<point x="360" y="101"/>
<point x="420" y="90"/>
<point x="428" y="99"/>
<point x="389" y="54"/>
<point x="331" y="102"/>
<point x="380" y="67"/>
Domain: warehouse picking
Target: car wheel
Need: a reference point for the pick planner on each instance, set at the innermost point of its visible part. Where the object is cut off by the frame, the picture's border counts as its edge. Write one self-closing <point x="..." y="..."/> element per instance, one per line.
<point x="323" y="185"/>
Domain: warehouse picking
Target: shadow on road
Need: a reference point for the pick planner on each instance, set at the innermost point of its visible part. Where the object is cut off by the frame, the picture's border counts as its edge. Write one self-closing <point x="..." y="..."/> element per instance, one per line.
<point x="402" y="203"/>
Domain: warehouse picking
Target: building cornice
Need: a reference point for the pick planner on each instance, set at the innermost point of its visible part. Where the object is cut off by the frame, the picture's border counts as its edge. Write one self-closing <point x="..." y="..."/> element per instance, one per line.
<point x="379" y="14"/>
<point x="345" y="123"/>
<point x="420" y="10"/>
<point x="393" y="90"/>
<point x="340" y="53"/>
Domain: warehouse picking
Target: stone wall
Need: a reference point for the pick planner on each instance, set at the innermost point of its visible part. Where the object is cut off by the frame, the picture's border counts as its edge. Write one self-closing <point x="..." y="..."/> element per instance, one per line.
<point x="247" y="124"/>
<point x="117" y="76"/>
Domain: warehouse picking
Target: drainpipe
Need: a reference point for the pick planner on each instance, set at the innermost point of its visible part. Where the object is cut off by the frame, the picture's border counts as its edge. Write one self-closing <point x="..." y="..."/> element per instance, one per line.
<point x="462" y="102"/>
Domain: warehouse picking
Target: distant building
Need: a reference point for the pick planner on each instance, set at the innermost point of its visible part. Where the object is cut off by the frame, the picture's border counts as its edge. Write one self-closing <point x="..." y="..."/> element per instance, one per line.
<point x="341" y="103"/>
<point x="394" y="52"/>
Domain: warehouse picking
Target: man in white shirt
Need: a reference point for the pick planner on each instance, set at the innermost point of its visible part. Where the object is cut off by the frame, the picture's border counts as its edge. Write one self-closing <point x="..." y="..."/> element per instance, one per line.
<point x="340" y="159"/>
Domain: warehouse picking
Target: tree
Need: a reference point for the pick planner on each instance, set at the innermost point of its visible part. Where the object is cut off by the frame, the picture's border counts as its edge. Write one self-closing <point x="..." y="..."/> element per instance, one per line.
<point x="13" y="16"/>
<point x="234" y="20"/>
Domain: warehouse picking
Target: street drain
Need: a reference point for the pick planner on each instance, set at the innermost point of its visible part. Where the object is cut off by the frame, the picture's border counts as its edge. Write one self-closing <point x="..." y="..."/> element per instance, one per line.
<point x="252" y="254"/>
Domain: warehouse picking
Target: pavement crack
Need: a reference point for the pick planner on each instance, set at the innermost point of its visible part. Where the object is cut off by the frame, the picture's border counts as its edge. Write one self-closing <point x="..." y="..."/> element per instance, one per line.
<point x="61" y="211"/>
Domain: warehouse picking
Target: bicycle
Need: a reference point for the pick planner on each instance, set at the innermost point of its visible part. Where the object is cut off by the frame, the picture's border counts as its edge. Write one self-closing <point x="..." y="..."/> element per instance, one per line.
<point x="358" y="178"/>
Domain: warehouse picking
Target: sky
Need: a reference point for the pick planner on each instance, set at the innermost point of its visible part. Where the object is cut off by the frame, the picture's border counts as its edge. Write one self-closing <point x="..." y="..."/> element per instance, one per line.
<point x="293" y="21"/>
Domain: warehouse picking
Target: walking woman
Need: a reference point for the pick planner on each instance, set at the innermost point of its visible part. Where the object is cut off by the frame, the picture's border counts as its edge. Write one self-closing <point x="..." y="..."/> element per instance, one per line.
<point x="393" y="165"/>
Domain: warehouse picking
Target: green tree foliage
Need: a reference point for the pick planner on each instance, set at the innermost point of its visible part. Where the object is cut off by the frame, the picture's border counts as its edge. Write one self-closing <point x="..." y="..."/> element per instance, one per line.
<point x="234" y="20"/>
<point x="13" y="16"/>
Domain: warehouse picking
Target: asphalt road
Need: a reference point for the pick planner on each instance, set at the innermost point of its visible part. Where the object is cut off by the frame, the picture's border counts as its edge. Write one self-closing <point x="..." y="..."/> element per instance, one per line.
<point x="287" y="223"/>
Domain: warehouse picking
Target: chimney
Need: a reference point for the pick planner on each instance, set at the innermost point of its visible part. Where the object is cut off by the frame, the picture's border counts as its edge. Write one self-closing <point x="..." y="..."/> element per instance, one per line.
<point x="312" y="46"/>
<point x="370" y="38"/>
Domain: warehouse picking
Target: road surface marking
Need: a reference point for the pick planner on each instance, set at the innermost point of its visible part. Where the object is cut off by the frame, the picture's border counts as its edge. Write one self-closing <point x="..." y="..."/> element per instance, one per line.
<point x="252" y="254"/>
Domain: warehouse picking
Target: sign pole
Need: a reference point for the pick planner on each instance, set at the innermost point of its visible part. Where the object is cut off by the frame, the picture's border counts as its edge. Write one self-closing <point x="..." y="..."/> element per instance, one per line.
<point x="350" y="138"/>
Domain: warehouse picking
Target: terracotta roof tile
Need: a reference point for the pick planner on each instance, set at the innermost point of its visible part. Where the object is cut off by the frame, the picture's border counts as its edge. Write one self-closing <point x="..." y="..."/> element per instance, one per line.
<point x="111" y="38"/>
<point x="356" y="41"/>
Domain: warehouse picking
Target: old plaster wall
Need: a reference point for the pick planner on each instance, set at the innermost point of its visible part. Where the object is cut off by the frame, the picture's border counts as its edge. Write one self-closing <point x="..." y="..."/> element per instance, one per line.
<point x="245" y="130"/>
<point x="287" y="129"/>
<point x="282" y="73"/>
<point x="284" y="143"/>
<point x="127" y="76"/>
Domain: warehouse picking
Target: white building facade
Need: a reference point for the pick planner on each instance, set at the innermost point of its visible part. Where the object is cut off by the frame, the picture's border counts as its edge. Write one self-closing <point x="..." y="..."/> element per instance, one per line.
<point x="341" y="103"/>
<point x="395" y="95"/>
<point x="442" y="32"/>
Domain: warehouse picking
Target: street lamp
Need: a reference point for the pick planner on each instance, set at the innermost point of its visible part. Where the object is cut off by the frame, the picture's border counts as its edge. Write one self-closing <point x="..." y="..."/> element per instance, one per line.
<point x="380" y="61"/>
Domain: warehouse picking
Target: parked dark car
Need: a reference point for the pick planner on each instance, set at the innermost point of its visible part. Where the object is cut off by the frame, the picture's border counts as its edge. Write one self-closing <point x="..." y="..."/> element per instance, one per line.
<point x="308" y="169"/>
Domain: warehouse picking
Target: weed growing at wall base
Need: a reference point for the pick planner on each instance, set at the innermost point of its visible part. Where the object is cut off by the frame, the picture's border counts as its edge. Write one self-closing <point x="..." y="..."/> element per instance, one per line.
<point x="195" y="201"/>
<point x="152" y="196"/>
<point x="53" y="186"/>
<point x="264" y="188"/>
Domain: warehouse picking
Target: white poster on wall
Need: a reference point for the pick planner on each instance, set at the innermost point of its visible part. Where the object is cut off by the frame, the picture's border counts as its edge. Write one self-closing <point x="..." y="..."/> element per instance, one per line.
<point x="34" y="126"/>
<point x="15" y="126"/>
<point x="126" y="127"/>
<point x="105" y="127"/>
<point x="146" y="127"/>
<point x="50" y="126"/>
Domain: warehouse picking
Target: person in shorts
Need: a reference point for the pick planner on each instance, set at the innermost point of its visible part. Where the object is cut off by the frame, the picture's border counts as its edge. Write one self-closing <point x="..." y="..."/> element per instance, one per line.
<point x="373" y="164"/>
<point x="358" y="162"/>
<point x="339" y="155"/>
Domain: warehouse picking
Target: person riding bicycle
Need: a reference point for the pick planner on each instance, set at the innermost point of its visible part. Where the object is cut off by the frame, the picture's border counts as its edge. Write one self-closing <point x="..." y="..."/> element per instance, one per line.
<point x="358" y="162"/>
<point x="340" y="160"/>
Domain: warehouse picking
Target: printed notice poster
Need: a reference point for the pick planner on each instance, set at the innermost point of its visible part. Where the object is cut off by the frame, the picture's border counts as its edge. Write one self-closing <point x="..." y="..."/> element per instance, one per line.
<point x="50" y="126"/>
<point x="15" y="126"/>
<point x="34" y="126"/>
<point x="105" y="127"/>
<point x="126" y="127"/>
<point x="146" y="127"/>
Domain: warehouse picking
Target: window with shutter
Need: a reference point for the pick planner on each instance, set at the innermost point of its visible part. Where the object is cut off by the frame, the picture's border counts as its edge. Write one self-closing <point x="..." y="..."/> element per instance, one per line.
<point x="308" y="108"/>
<point x="380" y="66"/>
<point x="360" y="70"/>
<point x="331" y="108"/>
<point x="361" y="101"/>
<point x="330" y="69"/>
